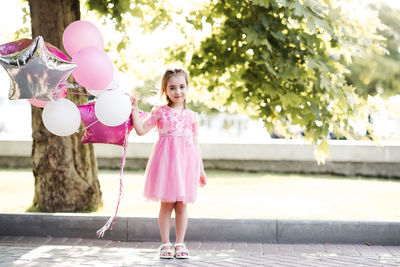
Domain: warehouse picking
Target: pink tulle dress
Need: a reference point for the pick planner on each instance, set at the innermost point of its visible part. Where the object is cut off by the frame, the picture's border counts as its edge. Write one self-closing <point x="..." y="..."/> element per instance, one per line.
<point x="175" y="164"/>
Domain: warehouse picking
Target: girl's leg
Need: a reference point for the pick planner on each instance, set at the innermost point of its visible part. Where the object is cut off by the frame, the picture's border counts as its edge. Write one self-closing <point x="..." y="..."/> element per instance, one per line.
<point x="164" y="221"/>
<point x="181" y="221"/>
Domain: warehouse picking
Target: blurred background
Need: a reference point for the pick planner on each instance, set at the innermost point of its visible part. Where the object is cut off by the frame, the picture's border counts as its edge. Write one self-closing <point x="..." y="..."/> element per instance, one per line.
<point x="359" y="103"/>
<point x="141" y="64"/>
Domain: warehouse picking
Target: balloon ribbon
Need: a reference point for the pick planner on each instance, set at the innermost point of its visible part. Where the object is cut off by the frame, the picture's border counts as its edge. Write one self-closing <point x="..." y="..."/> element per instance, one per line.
<point x="110" y="223"/>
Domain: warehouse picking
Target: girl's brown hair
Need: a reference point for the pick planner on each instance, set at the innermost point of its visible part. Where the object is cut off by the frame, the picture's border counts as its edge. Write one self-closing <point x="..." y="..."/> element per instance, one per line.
<point x="167" y="75"/>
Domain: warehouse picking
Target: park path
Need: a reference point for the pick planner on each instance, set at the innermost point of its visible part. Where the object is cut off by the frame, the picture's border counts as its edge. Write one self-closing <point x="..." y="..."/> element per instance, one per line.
<point x="49" y="251"/>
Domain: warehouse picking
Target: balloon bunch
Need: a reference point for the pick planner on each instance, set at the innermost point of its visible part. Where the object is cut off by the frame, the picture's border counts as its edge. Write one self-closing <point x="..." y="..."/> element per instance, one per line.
<point x="39" y="71"/>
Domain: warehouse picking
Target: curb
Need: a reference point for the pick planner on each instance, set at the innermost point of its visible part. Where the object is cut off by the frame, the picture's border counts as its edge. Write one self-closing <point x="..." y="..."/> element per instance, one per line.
<point x="128" y="228"/>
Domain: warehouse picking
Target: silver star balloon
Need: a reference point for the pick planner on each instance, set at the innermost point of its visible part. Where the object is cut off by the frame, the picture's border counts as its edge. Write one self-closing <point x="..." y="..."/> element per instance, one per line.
<point x="36" y="73"/>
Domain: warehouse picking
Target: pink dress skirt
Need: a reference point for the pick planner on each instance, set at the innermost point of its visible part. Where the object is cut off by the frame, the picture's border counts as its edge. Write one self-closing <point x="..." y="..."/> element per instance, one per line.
<point x="175" y="164"/>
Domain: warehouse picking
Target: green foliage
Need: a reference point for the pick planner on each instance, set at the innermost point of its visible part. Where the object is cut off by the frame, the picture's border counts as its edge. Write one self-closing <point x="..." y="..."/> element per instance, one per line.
<point x="146" y="92"/>
<point x="151" y="13"/>
<point x="276" y="60"/>
<point x="376" y="71"/>
<point x="25" y="30"/>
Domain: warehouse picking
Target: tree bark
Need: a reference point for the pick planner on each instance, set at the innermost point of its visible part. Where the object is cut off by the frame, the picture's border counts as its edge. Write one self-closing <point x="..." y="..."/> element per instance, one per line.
<point x="65" y="170"/>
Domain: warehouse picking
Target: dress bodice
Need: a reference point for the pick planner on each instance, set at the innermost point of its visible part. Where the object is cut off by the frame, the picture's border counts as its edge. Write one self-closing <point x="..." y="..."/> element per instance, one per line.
<point x="173" y="122"/>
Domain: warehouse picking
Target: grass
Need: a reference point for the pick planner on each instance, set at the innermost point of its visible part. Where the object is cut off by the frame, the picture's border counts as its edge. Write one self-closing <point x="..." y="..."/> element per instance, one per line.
<point x="238" y="195"/>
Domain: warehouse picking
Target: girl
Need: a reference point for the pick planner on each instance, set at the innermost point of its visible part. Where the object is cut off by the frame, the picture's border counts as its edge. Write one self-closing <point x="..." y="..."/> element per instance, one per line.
<point x="175" y="165"/>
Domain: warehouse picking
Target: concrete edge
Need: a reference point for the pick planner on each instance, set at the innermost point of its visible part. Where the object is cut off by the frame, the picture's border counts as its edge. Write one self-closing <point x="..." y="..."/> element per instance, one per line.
<point x="199" y="229"/>
<point x="274" y="150"/>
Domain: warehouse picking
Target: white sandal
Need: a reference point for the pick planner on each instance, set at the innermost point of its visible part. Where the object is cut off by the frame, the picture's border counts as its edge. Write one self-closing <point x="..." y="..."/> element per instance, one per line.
<point x="180" y="253"/>
<point x="166" y="253"/>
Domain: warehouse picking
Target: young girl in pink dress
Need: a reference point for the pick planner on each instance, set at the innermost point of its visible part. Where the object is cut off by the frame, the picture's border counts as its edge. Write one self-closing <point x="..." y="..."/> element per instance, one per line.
<point x="175" y="166"/>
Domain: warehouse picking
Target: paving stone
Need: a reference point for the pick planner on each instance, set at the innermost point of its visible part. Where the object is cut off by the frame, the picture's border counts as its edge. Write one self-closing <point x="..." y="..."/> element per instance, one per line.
<point x="11" y="239"/>
<point x="123" y="244"/>
<point x="301" y="248"/>
<point x="57" y="241"/>
<point x="349" y="249"/>
<point x="239" y="248"/>
<point x="317" y="247"/>
<point x="149" y="245"/>
<point x="88" y="252"/>
<point x="210" y="246"/>
<point x="72" y="241"/>
<point x="393" y="250"/>
<point x="365" y="250"/>
<point x="381" y="251"/>
<point x="332" y="248"/>
<point x="285" y="248"/>
<point x="33" y="240"/>
<point x="93" y="242"/>
<point x="247" y="260"/>
<point x="223" y="246"/>
<point x="254" y="248"/>
<point x="269" y="248"/>
<point x="193" y="245"/>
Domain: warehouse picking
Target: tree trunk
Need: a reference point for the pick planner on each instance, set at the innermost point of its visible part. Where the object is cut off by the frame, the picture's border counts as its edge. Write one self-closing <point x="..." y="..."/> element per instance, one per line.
<point x="65" y="170"/>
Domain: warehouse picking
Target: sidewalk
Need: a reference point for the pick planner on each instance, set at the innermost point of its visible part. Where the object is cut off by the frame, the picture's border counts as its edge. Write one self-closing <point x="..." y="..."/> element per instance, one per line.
<point x="58" y="251"/>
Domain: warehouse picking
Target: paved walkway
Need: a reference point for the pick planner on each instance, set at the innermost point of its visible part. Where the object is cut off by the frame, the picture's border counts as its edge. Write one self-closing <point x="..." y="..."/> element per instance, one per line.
<point x="48" y="251"/>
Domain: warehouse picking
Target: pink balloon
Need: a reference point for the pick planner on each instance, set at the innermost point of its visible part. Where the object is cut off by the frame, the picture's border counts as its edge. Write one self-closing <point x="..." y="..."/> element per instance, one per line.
<point x="80" y="34"/>
<point x="21" y="44"/>
<point x="95" y="68"/>
<point x="41" y="103"/>
<point x="37" y="102"/>
<point x="62" y="93"/>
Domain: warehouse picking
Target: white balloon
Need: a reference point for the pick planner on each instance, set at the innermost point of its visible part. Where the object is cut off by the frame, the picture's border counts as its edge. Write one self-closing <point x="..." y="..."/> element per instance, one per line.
<point x="113" y="107"/>
<point x="114" y="84"/>
<point x="96" y="93"/>
<point x="61" y="117"/>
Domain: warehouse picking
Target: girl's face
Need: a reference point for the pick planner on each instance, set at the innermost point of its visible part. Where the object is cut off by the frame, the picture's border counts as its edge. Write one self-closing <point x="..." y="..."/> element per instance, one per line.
<point x="177" y="89"/>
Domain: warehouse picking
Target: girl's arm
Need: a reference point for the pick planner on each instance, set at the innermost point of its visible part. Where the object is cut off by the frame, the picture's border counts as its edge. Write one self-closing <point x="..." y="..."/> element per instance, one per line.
<point x="141" y="127"/>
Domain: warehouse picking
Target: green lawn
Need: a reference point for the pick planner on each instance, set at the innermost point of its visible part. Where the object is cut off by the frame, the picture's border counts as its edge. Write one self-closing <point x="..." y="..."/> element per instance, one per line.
<point x="239" y="195"/>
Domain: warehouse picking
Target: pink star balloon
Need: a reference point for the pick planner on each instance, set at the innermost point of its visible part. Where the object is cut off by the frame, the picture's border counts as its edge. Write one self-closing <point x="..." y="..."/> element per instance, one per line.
<point x="96" y="132"/>
<point x="21" y="44"/>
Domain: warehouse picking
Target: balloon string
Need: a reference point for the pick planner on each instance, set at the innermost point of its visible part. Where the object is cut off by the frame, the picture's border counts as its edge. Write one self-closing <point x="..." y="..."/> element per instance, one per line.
<point x="90" y="125"/>
<point x="84" y="128"/>
<point x="110" y="223"/>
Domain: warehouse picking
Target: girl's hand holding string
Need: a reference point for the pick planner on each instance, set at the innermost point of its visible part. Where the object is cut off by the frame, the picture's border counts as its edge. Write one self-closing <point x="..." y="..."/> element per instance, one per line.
<point x="134" y="101"/>
<point x="141" y="126"/>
